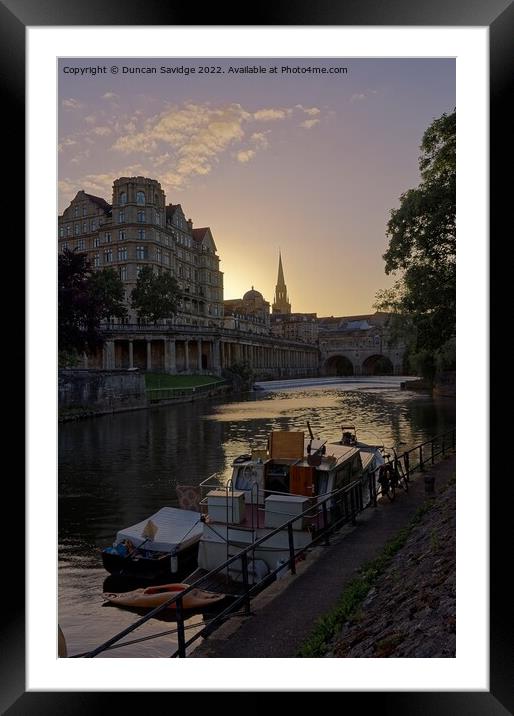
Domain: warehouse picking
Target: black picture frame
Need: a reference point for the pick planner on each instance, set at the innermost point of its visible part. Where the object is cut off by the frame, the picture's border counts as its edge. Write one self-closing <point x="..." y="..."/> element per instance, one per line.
<point x="498" y="15"/>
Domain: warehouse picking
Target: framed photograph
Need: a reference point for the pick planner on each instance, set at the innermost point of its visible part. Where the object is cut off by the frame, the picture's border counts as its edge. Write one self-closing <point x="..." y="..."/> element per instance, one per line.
<point x="262" y="168"/>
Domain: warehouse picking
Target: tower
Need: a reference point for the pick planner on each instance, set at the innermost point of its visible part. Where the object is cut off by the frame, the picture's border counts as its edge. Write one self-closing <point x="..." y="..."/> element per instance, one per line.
<point x="281" y="303"/>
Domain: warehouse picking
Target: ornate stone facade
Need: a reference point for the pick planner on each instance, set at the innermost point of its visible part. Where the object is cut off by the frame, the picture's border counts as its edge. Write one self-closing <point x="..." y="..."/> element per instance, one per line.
<point x="138" y="228"/>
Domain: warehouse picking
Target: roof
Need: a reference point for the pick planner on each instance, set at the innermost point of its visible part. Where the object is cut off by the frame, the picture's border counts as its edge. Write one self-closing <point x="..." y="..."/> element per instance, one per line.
<point x="198" y="234"/>
<point x="171" y="209"/>
<point x="252" y="295"/>
<point x="100" y="202"/>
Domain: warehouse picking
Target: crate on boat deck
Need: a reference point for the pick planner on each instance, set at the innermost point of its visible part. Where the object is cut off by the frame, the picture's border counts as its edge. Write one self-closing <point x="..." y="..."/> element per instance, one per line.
<point x="226" y="506"/>
<point x="281" y="508"/>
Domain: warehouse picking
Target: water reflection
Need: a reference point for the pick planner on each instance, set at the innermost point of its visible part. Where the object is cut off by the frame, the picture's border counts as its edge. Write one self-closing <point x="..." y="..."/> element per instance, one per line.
<point x="116" y="470"/>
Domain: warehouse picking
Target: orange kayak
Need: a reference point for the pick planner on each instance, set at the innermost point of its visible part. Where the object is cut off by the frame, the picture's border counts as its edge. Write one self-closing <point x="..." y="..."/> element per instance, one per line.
<point x="155" y="596"/>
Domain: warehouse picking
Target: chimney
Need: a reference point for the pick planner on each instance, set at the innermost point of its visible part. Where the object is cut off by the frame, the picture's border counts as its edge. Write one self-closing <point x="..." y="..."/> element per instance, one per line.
<point x="190" y="225"/>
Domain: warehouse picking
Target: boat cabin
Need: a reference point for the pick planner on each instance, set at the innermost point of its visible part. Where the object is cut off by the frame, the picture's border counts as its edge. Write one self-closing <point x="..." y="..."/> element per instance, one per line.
<point x="295" y="465"/>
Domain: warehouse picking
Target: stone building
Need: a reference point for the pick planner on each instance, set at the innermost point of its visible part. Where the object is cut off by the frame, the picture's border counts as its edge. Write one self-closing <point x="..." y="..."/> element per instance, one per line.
<point x="250" y="313"/>
<point x="295" y="326"/>
<point x="139" y="229"/>
<point x="359" y="345"/>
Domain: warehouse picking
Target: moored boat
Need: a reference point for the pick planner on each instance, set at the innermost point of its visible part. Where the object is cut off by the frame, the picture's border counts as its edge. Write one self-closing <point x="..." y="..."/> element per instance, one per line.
<point x="165" y="544"/>
<point x="156" y="596"/>
<point x="293" y="476"/>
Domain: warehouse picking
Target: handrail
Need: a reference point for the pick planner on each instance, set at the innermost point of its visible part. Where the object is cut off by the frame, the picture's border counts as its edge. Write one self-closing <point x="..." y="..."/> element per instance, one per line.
<point x="187" y="388"/>
<point x="352" y="493"/>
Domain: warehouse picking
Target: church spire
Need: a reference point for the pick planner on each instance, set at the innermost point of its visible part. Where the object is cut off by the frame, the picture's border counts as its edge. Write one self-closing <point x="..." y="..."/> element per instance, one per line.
<point x="281" y="303"/>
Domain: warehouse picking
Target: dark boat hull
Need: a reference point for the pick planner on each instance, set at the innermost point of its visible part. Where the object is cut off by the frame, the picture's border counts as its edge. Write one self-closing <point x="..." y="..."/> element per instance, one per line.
<point x="144" y="568"/>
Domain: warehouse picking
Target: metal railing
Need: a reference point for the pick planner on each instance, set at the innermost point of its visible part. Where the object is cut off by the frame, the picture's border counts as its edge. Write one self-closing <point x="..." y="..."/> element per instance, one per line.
<point x="330" y="512"/>
<point x="157" y="394"/>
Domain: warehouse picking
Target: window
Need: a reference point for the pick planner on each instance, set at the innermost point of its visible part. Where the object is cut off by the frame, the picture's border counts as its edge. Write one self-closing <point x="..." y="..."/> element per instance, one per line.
<point x="166" y="258"/>
<point x="108" y="256"/>
<point x="121" y="235"/>
<point x="84" y="227"/>
<point x="96" y="242"/>
<point x="141" y="252"/>
<point x="68" y="230"/>
<point x="76" y="211"/>
<point x="123" y="197"/>
<point x="123" y="273"/>
<point x="96" y="260"/>
<point x="166" y="240"/>
<point x="64" y="246"/>
<point x="77" y="229"/>
<point x="140" y="197"/>
<point x="122" y="253"/>
<point x="141" y="234"/>
<point x="139" y="268"/>
<point x="81" y="245"/>
<point x="84" y="210"/>
<point x="93" y="225"/>
<point x="181" y="271"/>
<point x="121" y="217"/>
<point x="158" y="253"/>
<point x="61" y="232"/>
<point x="141" y="217"/>
<point x="157" y="218"/>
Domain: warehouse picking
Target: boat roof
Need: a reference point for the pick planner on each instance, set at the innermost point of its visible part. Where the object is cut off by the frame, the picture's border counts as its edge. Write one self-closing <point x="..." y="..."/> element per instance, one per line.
<point x="335" y="455"/>
<point x="175" y="527"/>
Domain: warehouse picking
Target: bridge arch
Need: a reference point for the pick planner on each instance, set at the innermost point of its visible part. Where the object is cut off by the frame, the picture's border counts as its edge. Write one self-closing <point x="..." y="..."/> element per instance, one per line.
<point x="377" y="365"/>
<point x="339" y="365"/>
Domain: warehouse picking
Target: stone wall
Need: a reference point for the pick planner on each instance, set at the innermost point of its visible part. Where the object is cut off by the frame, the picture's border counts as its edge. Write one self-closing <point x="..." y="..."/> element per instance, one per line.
<point x="100" y="390"/>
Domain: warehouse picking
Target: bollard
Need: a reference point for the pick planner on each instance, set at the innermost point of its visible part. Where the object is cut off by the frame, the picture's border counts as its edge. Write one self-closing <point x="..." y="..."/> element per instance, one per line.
<point x="429" y="484"/>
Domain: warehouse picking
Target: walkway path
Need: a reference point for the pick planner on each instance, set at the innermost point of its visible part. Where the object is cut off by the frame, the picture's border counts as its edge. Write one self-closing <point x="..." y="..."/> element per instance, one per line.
<point x="285" y="613"/>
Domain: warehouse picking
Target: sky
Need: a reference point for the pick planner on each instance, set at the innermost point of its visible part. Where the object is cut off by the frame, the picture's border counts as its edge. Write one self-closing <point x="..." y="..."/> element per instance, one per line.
<point x="309" y="164"/>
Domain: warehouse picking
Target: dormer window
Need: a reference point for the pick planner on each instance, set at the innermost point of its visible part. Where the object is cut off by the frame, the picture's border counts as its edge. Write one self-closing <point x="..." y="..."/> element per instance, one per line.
<point x="140" y="197"/>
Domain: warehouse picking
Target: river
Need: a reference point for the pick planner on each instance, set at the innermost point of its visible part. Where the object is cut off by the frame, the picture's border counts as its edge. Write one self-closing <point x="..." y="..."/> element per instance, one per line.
<point x="116" y="470"/>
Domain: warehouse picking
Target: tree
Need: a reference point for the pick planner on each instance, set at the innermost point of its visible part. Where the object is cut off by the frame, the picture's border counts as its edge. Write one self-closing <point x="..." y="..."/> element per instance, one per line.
<point x="155" y="296"/>
<point x="421" y="253"/>
<point x="85" y="299"/>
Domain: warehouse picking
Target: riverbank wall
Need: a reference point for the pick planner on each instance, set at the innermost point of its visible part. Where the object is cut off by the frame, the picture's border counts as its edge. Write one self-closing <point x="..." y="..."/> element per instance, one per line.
<point x="84" y="393"/>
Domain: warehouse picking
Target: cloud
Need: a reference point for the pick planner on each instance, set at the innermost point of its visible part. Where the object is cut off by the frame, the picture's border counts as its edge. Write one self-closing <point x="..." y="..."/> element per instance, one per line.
<point x="245" y="155"/>
<point x="66" y="142"/>
<point x="80" y="156"/>
<point x="309" y="123"/>
<point x="359" y="97"/>
<point x="260" y="138"/>
<point x="71" y="103"/>
<point x="311" y="111"/>
<point x="269" y="115"/>
<point x="191" y="137"/>
<point x="181" y="141"/>
<point x="110" y="95"/>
